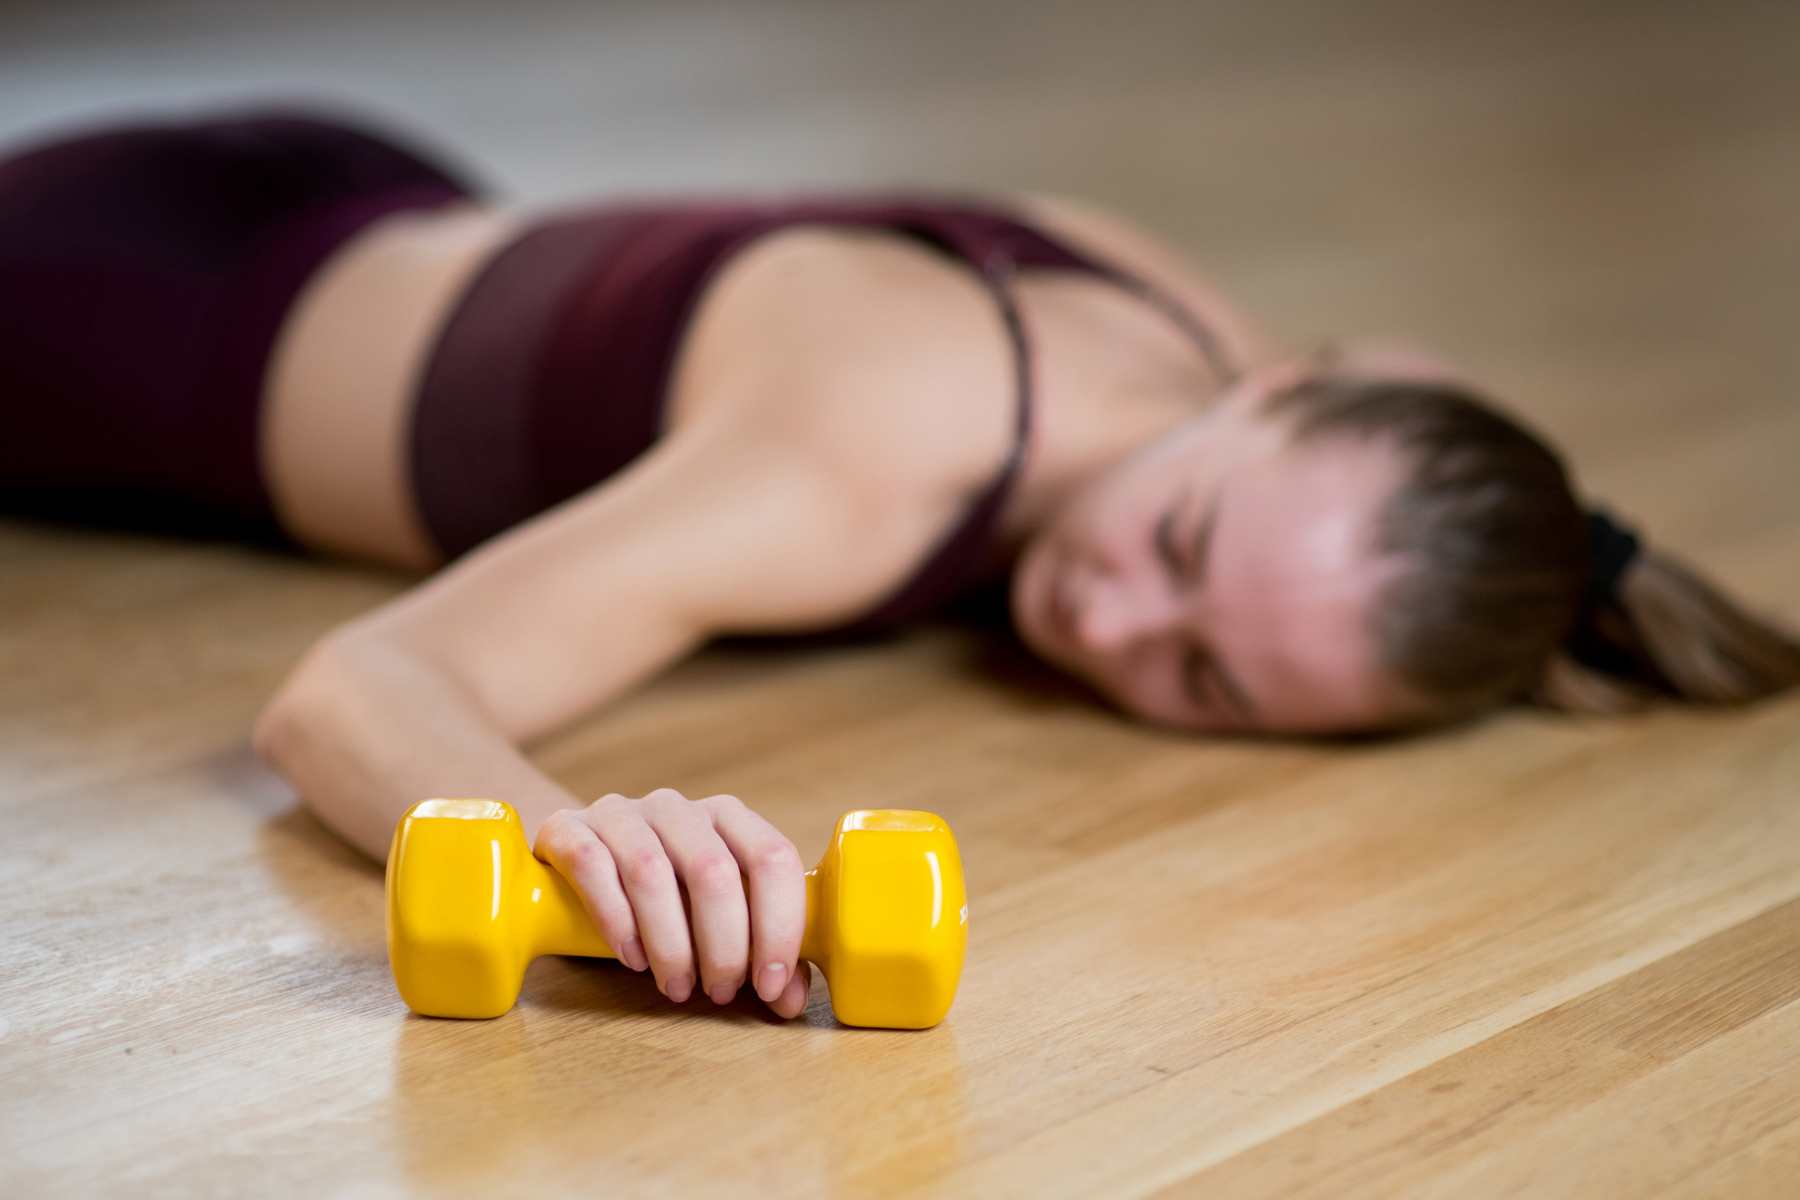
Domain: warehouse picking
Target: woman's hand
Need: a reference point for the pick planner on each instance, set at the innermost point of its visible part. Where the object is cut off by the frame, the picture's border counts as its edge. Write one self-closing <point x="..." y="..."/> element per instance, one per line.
<point x="630" y="860"/>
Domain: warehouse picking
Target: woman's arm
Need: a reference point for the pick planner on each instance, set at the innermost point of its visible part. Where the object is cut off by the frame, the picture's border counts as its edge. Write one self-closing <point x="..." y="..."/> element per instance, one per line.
<point x="827" y="457"/>
<point x="429" y="695"/>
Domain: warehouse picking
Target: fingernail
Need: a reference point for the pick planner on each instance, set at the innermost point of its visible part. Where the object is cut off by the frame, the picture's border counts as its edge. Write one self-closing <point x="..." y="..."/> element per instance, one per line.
<point x="774" y="978"/>
<point x="723" y="992"/>
<point x="632" y="954"/>
<point x="679" y="988"/>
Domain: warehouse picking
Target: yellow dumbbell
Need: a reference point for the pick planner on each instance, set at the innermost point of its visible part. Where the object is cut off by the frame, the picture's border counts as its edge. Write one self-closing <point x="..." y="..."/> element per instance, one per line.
<point x="468" y="907"/>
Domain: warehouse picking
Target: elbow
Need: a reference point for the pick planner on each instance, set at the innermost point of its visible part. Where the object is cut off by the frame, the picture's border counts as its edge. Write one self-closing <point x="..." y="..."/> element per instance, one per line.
<point x="275" y="730"/>
<point x="294" y="714"/>
<point x="306" y="734"/>
<point x="270" y="729"/>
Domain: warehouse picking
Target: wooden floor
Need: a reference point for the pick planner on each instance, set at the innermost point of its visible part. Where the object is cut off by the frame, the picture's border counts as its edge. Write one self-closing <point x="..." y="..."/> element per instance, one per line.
<point x="1532" y="957"/>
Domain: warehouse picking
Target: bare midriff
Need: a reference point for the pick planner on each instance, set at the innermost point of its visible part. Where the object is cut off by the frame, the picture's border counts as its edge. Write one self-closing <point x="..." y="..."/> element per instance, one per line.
<point x="337" y="400"/>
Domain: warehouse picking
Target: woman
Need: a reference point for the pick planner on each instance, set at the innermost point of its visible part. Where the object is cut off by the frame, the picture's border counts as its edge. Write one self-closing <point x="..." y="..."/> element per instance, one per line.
<point x="623" y="431"/>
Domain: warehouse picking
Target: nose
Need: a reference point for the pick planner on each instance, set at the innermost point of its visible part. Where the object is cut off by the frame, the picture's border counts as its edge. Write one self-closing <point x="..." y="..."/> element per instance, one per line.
<point x="1113" y="615"/>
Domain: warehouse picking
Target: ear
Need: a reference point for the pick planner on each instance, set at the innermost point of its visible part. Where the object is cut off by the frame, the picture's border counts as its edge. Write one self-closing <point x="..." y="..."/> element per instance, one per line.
<point x="1399" y="359"/>
<point x="1255" y="388"/>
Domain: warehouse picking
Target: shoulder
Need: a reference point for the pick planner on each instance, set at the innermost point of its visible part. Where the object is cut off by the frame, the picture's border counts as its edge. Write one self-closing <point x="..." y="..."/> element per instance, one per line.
<point x="852" y="304"/>
<point x="885" y="359"/>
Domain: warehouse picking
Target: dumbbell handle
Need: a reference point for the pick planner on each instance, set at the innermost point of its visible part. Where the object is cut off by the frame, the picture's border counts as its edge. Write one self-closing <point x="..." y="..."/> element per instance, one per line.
<point x="560" y="923"/>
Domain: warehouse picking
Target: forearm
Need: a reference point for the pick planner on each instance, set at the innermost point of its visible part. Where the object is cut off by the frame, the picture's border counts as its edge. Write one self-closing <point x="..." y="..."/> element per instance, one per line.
<point x="364" y="730"/>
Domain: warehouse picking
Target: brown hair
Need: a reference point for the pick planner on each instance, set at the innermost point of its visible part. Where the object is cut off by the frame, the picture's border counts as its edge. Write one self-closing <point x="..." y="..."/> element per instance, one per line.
<point x="1493" y="605"/>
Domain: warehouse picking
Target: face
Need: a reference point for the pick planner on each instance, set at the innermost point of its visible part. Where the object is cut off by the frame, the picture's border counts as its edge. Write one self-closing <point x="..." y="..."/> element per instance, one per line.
<point x="1222" y="578"/>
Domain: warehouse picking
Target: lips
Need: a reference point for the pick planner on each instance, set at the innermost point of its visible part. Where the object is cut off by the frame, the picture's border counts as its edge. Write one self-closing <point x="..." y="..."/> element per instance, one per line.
<point x="1060" y="611"/>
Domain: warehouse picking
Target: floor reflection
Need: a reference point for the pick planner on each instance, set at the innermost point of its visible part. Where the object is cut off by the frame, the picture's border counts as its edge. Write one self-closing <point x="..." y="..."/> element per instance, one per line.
<point x="594" y="1072"/>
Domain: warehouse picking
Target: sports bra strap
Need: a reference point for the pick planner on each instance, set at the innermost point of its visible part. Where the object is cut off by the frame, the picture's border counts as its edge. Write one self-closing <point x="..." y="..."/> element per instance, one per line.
<point x="958" y="559"/>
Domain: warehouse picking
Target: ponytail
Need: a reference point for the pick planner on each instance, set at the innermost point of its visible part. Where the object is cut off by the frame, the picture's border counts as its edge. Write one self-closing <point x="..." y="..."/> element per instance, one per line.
<point x="1668" y="635"/>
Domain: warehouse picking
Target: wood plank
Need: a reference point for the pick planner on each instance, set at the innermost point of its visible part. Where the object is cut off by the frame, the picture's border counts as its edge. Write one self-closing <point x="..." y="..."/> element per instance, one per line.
<point x="1475" y="1124"/>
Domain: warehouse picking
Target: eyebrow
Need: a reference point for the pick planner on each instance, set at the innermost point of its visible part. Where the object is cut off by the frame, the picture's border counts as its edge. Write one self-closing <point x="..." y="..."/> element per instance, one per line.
<point x="1205" y="661"/>
<point x="1192" y="566"/>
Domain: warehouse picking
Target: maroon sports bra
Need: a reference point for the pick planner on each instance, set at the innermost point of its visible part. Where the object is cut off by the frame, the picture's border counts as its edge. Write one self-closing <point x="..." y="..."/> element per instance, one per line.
<point x="552" y="371"/>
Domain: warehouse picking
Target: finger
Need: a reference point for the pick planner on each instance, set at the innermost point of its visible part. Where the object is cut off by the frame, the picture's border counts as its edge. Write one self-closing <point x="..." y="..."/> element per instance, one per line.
<point x="650" y="883"/>
<point x="792" y="1001"/>
<point x="777" y="892"/>
<point x="572" y="846"/>
<point x="720" y="916"/>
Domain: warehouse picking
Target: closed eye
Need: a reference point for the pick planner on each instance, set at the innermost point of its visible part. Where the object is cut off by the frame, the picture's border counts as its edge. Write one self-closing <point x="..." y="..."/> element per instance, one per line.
<point x="1165" y="543"/>
<point x="1202" y="544"/>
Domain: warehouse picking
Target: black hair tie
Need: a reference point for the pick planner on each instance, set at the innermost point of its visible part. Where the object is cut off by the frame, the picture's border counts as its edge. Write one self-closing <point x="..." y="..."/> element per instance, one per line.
<point x="1612" y="548"/>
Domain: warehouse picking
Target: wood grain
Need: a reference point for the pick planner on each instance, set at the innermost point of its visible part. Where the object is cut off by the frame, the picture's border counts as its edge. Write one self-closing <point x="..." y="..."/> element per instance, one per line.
<point x="1526" y="957"/>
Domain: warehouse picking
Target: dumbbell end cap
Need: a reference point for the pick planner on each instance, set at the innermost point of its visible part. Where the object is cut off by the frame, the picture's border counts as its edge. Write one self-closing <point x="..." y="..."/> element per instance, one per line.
<point x="449" y="930"/>
<point x="895" y="918"/>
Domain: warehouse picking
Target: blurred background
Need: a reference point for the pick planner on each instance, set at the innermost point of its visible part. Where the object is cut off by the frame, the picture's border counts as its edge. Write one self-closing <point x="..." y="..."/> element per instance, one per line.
<point x="1589" y="205"/>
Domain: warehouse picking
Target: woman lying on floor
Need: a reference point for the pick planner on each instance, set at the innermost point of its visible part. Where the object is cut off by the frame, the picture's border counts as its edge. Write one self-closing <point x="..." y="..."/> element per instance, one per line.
<point x="617" y="432"/>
